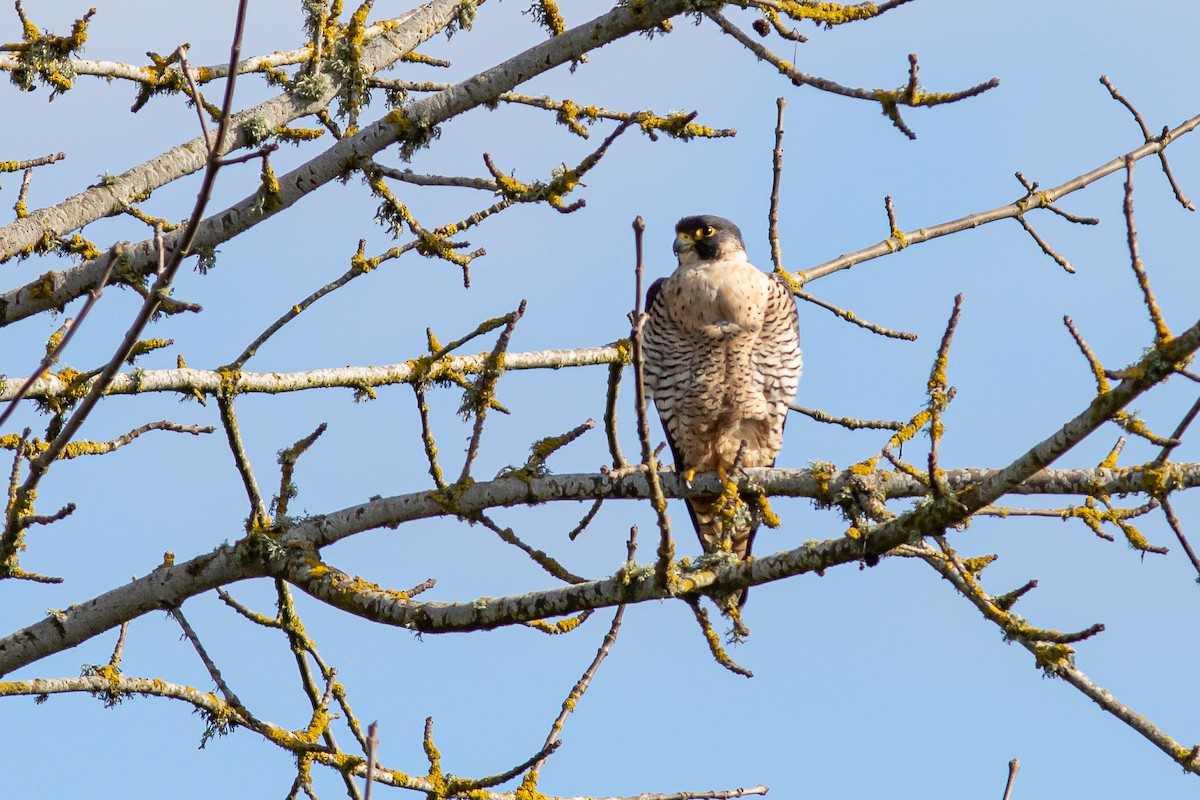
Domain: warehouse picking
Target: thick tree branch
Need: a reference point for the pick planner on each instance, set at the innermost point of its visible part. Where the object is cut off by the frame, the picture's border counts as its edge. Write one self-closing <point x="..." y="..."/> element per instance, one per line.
<point x="170" y="585"/>
<point x="111" y="196"/>
<point x="190" y="381"/>
<point x="411" y="126"/>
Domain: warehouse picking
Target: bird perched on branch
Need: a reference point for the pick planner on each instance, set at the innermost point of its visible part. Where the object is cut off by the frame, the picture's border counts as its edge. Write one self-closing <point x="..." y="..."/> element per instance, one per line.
<point x="722" y="361"/>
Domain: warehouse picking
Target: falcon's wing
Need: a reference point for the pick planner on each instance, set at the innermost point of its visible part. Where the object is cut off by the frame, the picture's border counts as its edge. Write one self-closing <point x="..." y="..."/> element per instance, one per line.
<point x="652" y="293"/>
<point x="657" y="341"/>
<point x="777" y="360"/>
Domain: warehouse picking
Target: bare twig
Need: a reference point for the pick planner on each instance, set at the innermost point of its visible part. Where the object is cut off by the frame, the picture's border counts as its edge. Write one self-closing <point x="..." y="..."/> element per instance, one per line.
<point x="1031" y="188"/>
<point x="615" y="370"/>
<point x="776" y="180"/>
<point x="197" y="100"/>
<point x="1045" y="246"/>
<point x="359" y="265"/>
<point x="890" y="100"/>
<point x="666" y="546"/>
<point x="17" y="166"/>
<point x="1014" y="767"/>
<point x="85" y="448"/>
<point x="539" y="557"/>
<point x="1162" y="156"/>
<point x="119" y="650"/>
<point x="847" y="422"/>
<point x="176" y="613"/>
<point x="573" y="697"/>
<point x="259" y="518"/>
<point x="1044" y="197"/>
<point x="372" y="746"/>
<point x="587" y="518"/>
<point x="1177" y="529"/>
<point x="1177" y="434"/>
<point x="914" y="83"/>
<point x="1161" y="332"/>
<point x="851" y="317"/>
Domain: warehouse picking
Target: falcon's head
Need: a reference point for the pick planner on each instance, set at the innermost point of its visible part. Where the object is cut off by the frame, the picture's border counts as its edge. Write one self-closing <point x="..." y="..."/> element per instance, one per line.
<point x="707" y="238"/>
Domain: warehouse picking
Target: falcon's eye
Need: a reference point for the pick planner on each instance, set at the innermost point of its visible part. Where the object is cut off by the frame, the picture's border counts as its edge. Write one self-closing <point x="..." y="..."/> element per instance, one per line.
<point x="707" y="231"/>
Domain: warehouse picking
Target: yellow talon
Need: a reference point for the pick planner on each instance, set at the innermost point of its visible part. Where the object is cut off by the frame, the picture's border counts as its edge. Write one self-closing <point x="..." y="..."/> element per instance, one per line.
<point x="688" y="475"/>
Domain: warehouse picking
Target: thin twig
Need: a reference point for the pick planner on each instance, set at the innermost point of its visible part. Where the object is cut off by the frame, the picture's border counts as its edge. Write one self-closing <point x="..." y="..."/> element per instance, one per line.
<point x="587" y="519"/>
<point x="914" y="83"/>
<point x="1031" y="188"/>
<point x="28" y="164"/>
<point x="287" y="468"/>
<point x="263" y="152"/>
<point x="1020" y="206"/>
<point x="804" y="79"/>
<point x="543" y="448"/>
<point x="939" y="397"/>
<point x="289" y="620"/>
<point x="1162" y="156"/>
<point x="850" y="316"/>
<point x="372" y="747"/>
<point x="573" y="697"/>
<point x="894" y="230"/>
<point x="1045" y="246"/>
<point x="569" y="113"/>
<point x="1097" y="368"/>
<point x="53" y="353"/>
<point x="847" y="422"/>
<point x="1177" y="528"/>
<point x="460" y="786"/>
<point x="359" y="265"/>
<point x="1177" y="434"/>
<point x="484" y="386"/>
<point x="119" y="650"/>
<point x="539" y="557"/>
<point x="259" y="517"/>
<point x="615" y="370"/>
<point x="176" y="613"/>
<point x="666" y="546"/>
<point x="1014" y="767"/>
<point x="776" y="180"/>
<point x="427" y="440"/>
<point x="20" y="207"/>
<point x="1161" y="332"/>
<point x="85" y="448"/>
<point x="197" y="100"/>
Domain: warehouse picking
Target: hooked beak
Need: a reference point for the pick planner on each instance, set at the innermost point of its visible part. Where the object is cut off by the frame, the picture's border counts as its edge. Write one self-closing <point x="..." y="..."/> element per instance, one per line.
<point x="681" y="243"/>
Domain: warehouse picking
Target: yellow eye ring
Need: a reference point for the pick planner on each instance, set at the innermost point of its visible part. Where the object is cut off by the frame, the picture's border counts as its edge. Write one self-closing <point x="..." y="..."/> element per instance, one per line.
<point x="707" y="231"/>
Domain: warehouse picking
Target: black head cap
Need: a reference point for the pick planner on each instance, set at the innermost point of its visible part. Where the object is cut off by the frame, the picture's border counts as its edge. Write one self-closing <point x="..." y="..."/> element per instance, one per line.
<point x="709" y="237"/>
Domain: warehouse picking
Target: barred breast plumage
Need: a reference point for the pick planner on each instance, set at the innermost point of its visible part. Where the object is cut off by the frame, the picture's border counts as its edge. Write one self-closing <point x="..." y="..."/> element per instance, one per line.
<point x="722" y="362"/>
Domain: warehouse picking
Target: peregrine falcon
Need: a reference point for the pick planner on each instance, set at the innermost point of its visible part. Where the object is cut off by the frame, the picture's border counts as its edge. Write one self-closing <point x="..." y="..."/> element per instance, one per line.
<point x="722" y="361"/>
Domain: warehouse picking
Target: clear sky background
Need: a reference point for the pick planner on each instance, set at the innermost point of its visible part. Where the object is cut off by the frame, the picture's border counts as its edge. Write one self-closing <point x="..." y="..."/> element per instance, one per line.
<point x="869" y="683"/>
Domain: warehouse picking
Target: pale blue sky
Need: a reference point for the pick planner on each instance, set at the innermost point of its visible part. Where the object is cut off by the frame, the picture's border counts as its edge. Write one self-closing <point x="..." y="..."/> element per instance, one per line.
<point x="869" y="683"/>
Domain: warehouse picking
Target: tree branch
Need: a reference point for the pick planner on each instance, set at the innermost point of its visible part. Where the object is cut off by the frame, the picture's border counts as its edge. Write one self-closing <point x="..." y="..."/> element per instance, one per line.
<point x="1043" y="198"/>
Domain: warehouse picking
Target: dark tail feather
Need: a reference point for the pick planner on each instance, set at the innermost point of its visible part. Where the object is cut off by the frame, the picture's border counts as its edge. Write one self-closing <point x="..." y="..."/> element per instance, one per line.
<point x="706" y="517"/>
